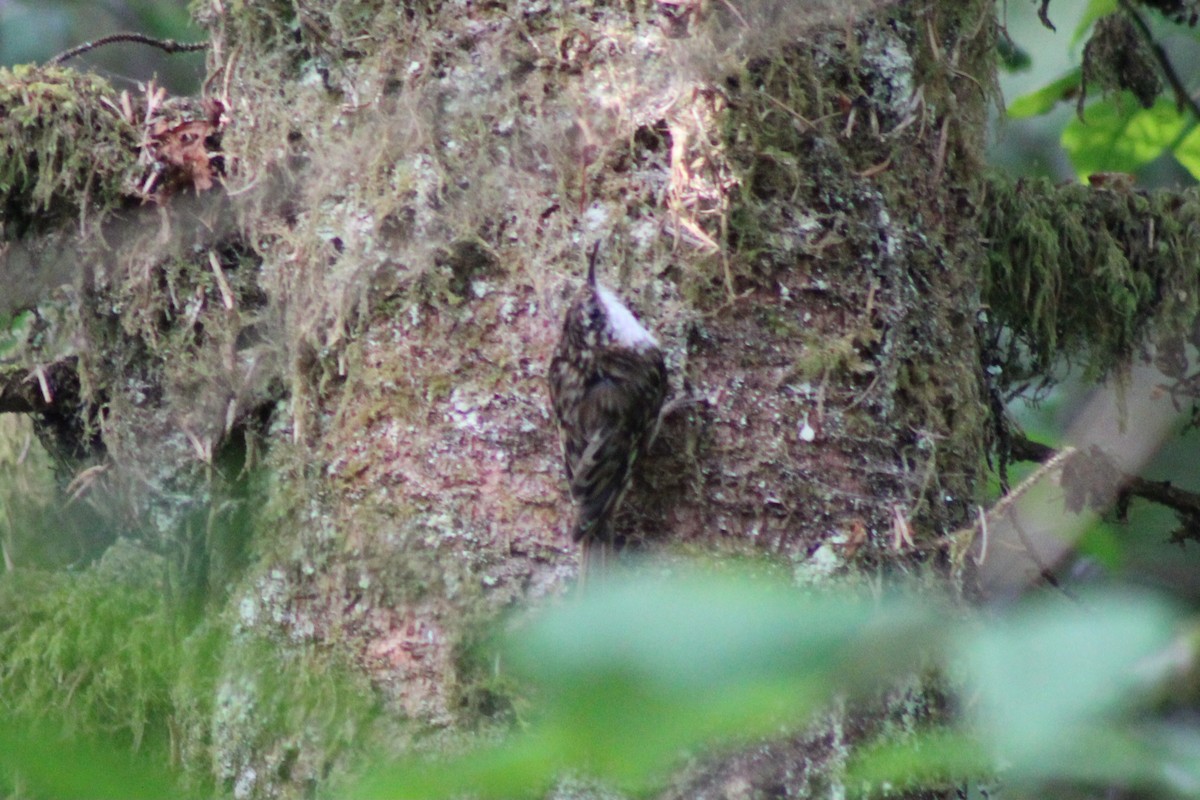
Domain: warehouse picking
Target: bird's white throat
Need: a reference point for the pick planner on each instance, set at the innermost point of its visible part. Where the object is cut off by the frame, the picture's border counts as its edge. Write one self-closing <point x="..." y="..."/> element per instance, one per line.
<point x="626" y="329"/>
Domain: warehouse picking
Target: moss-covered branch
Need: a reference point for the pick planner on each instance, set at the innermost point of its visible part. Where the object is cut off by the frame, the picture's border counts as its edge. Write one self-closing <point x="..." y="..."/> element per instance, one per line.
<point x="69" y="148"/>
<point x="1092" y="274"/>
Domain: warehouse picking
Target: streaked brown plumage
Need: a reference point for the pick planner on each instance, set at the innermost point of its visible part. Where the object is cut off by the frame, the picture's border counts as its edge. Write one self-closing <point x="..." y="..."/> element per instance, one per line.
<point x="607" y="383"/>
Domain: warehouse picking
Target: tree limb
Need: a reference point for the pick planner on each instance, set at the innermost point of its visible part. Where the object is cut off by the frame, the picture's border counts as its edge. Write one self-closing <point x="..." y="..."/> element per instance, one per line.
<point x="1183" y="502"/>
<point x="166" y="45"/>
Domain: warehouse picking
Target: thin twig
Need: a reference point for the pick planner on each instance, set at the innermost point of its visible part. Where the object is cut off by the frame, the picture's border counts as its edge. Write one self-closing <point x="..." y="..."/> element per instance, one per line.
<point x="166" y="45"/>
<point x="983" y="535"/>
<point x="1181" y="501"/>
<point x="1044" y="16"/>
<point x="1052" y="461"/>
<point x="1044" y="569"/>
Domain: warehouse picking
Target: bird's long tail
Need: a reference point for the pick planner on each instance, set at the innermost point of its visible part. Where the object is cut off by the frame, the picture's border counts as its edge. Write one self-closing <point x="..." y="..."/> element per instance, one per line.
<point x="595" y="557"/>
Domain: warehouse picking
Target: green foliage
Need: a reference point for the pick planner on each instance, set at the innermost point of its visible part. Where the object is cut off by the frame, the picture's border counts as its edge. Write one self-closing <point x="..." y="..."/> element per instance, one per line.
<point x="1096" y="9"/>
<point x="85" y="681"/>
<point x="46" y="764"/>
<point x="643" y="668"/>
<point x="37" y="529"/>
<point x="1059" y="693"/>
<point x="616" y="686"/>
<point x="640" y="670"/>
<point x="1012" y="57"/>
<point x="89" y="650"/>
<point x="712" y="659"/>
<point x="1187" y="150"/>
<point x="14" y="331"/>
<point x="1045" y="99"/>
<point x="1118" y="136"/>
<point x="102" y="694"/>
<point x="1051" y="681"/>
<point x="194" y="691"/>
<point x="1114" y="133"/>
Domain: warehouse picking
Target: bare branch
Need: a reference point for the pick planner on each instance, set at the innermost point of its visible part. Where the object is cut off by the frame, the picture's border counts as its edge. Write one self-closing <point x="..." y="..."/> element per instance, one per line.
<point x="1183" y="502"/>
<point x="166" y="45"/>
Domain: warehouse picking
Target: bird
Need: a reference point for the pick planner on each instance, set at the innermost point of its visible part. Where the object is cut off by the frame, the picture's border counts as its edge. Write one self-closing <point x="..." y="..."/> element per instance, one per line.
<point x="607" y="381"/>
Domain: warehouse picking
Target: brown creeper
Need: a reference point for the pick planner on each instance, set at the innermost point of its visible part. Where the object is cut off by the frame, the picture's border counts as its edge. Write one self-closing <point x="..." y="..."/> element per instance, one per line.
<point x="607" y="384"/>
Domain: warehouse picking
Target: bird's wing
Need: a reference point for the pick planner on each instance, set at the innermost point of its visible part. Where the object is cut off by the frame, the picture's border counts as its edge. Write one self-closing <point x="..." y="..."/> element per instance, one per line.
<point x="620" y="405"/>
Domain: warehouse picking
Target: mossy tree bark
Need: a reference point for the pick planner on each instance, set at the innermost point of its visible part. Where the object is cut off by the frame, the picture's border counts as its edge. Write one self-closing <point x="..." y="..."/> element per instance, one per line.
<point x="790" y="194"/>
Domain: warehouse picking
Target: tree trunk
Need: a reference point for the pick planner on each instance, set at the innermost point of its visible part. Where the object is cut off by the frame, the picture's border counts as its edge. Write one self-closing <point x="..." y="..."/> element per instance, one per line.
<point x="786" y="193"/>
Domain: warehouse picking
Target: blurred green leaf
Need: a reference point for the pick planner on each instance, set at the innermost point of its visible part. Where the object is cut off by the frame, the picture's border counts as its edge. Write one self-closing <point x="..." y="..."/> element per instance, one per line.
<point x="14" y="331"/>
<point x="1119" y="136"/>
<point x="1094" y="11"/>
<point x="642" y="669"/>
<point x="936" y="757"/>
<point x="1104" y="542"/>
<point x="1051" y="679"/>
<point x="49" y="764"/>
<point x="1012" y="57"/>
<point x="168" y="19"/>
<point x="1178" y="749"/>
<point x="1045" y="99"/>
<point x="696" y="633"/>
<point x="1188" y="152"/>
<point x="523" y="767"/>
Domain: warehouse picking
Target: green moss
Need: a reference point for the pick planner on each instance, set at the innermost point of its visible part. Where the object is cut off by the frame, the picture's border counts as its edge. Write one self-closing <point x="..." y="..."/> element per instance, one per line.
<point x="92" y="650"/>
<point x="194" y="696"/>
<point x="485" y="693"/>
<point x="824" y="355"/>
<point x="66" y="145"/>
<point x="288" y="717"/>
<point x="1086" y="274"/>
